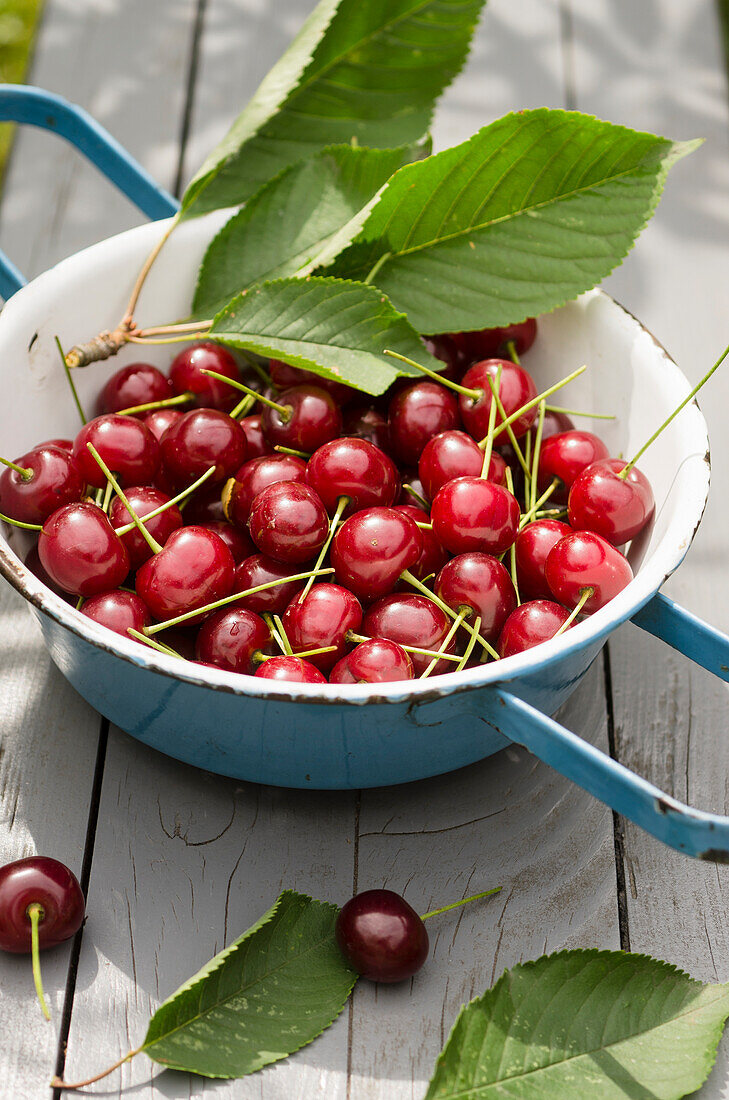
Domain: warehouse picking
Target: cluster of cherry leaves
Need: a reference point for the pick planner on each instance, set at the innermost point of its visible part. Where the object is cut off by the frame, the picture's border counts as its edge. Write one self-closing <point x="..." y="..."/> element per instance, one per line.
<point x="618" y="1024"/>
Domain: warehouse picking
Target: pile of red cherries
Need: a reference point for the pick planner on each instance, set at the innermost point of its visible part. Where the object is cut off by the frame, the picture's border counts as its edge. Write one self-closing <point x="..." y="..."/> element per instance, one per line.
<point x="330" y="534"/>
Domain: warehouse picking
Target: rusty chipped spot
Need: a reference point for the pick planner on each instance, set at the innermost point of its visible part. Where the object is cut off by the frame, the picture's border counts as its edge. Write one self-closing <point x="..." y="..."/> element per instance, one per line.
<point x="715" y="855"/>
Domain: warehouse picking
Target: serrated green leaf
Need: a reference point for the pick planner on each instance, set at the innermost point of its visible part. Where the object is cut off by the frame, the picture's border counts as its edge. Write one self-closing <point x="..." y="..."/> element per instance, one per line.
<point x="370" y="71"/>
<point x="268" y="994"/>
<point x="525" y="215"/>
<point x="295" y="220"/>
<point x="335" y="328"/>
<point x="602" y="1024"/>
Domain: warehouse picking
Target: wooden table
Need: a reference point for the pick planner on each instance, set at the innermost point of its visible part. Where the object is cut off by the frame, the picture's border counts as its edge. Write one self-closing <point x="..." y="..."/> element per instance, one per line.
<point x="177" y="862"/>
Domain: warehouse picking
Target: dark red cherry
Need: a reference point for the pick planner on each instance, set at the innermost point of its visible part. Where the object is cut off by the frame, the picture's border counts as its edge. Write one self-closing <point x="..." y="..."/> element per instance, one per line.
<point x="616" y="508"/>
<point x="417" y="413"/>
<point x="200" y="439"/>
<point x="313" y="419"/>
<point x="194" y="568"/>
<point x="55" y="481"/>
<point x="235" y="538"/>
<point x="515" y="390"/>
<point x="323" y="618"/>
<point x="470" y="513"/>
<point x="253" y="430"/>
<point x="531" y="624"/>
<point x="555" y="422"/>
<point x="481" y="583"/>
<point x="532" y="547"/>
<point x="366" y="422"/>
<point x="565" y="456"/>
<point x="81" y="551"/>
<point x="42" y="881"/>
<point x="205" y="505"/>
<point x="288" y="522"/>
<point x="381" y="936"/>
<point x="444" y="347"/>
<point x="411" y="620"/>
<point x="291" y="670"/>
<point x="126" y="445"/>
<point x="377" y="661"/>
<point x="118" y="610"/>
<point x="137" y="384"/>
<point x="583" y="560"/>
<point x="487" y="342"/>
<point x="143" y="500"/>
<point x="64" y="444"/>
<point x="232" y="638"/>
<point x="372" y="548"/>
<point x="257" y="570"/>
<point x="159" y="420"/>
<point x="455" y="454"/>
<point x="433" y="556"/>
<point x="255" y="476"/>
<point x="354" y="468"/>
<point x="283" y="376"/>
<point x="186" y="375"/>
<point x="413" y="492"/>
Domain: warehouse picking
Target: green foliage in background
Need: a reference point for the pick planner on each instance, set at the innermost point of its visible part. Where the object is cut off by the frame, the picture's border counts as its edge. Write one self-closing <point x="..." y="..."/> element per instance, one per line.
<point x="18" y="22"/>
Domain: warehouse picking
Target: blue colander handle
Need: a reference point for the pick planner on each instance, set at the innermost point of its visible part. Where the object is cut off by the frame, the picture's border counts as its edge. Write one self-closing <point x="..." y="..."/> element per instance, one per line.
<point x="36" y="107"/>
<point x="699" y="834"/>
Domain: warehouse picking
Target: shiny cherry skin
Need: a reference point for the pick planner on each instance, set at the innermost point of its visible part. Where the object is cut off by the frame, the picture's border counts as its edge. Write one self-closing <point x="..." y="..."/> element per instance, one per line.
<point x="470" y="513"/>
<point x="314" y="418"/>
<point x="616" y="508"/>
<point x="515" y="389"/>
<point x="257" y="443"/>
<point x="354" y="468"/>
<point x="411" y="620"/>
<point x="56" y="481"/>
<point x="34" y="564"/>
<point x="433" y="556"/>
<point x="372" y="548"/>
<point x="137" y="384"/>
<point x="46" y="882"/>
<point x="531" y="624"/>
<point x="232" y="638"/>
<point x="194" y="568"/>
<point x="205" y="505"/>
<point x="323" y="618"/>
<point x="553" y="423"/>
<point x="255" y="476"/>
<point x="159" y="420"/>
<point x="531" y="549"/>
<point x="487" y="342"/>
<point x="257" y="569"/>
<point x="283" y="376"/>
<point x="289" y="669"/>
<point x="455" y="454"/>
<point x="144" y="499"/>
<point x="367" y="422"/>
<point x="200" y="439"/>
<point x="126" y="445"/>
<point x="583" y="560"/>
<point x="288" y="522"/>
<point x="565" y="456"/>
<point x="64" y="444"/>
<point x="186" y="375"/>
<point x="81" y="551"/>
<point x="482" y="584"/>
<point x="377" y="661"/>
<point x="118" y="610"/>
<point x="416" y="413"/>
<point x="381" y="936"/>
<point x="238" y="541"/>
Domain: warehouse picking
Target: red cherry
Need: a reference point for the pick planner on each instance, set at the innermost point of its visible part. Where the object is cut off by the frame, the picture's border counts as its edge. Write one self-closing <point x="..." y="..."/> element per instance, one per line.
<point x="481" y="583"/>
<point x="159" y="420"/>
<point x="186" y="375"/>
<point x="531" y="624"/>
<point x="237" y="540"/>
<point x="288" y="522"/>
<point x="444" y="347"/>
<point x="372" y="548"/>
<point x="81" y="551"/>
<point x="322" y="618"/>
<point x="42" y="881"/>
<point x="283" y="375"/>
<point x="433" y="556"/>
<point x="126" y="445"/>
<point x="565" y="456"/>
<point x="616" y="508"/>
<point x="253" y="430"/>
<point x="516" y="388"/>
<point x="137" y="384"/>
<point x="205" y="505"/>
<point x="255" y="476"/>
<point x="410" y="620"/>
<point x="411" y="484"/>
<point x="531" y="549"/>
<point x="470" y="513"/>
<point x="313" y="419"/>
<point x="200" y="439"/>
<point x="376" y="661"/>
<point x="381" y="936"/>
<point x="56" y="481"/>
<point x="33" y="562"/>
<point x="118" y="610"/>
<point x="194" y="568"/>
<point x="64" y="444"/>
<point x="144" y="499"/>
<point x="487" y="342"/>
<point x="455" y="454"/>
<point x="417" y="413"/>
<point x="232" y="638"/>
<point x="290" y="669"/>
<point x="366" y="422"/>
<point x="583" y="560"/>
<point x="555" y="422"/>
<point x="354" y="468"/>
<point x="258" y="569"/>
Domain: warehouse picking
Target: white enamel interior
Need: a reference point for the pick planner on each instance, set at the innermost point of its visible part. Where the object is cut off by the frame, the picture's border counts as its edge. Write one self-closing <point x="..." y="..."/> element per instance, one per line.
<point x="628" y="374"/>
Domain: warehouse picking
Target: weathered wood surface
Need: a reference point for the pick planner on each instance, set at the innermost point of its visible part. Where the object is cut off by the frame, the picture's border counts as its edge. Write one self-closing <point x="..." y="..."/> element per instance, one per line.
<point x="182" y="861"/>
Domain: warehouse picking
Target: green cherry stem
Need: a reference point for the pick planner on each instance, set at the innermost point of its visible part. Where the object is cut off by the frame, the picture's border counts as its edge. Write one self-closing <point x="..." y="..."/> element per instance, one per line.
<point x="357" y="639"/>
<point x="284" y="637"/>
<point x="463" y="612"/>
<point x="274" y="634"/>
<point x="489" y="442"/>
<point x="469" y="647"/>
<point x="333" y="524"/>
<point x="154" y="644"/>
<point x="292" y="451"/>
<point x="25" y="472"/>
<point x="35" y="915"/>
<point x="416" y="496"/>
<point x="18" y="523"/>
<point x="584" y="597"/>
<point x="423" y="526"/>
<point x="168" y="504"/>
<point x="458" y="904"/>
<point x="154" y="546"/>
<point x="284" y="411"/>
<point x="512" y="548"/>
<point x="512" y="352"/>
<point x="475" y="395"/>
<point x="407" y="576"/>
<point x="536" y="507"/>
<point x="506" y="423"/>
<point x="537" y="453"/>
<point x="577" y="412"/>
<point x="314" y="652"/>
<point x="243" y="407"/>
<point x="509" y="420"/>
<point x="71" y="383"/>
<point x="106" y="498"/>
<point x="150" y="406"/>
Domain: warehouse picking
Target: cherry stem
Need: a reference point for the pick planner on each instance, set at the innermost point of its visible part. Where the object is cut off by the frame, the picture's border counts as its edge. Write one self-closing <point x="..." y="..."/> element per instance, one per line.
<point x="475" y="395"/>
<point x="146" y="268"/>
<point x="154" y="546"/>
<point x="584" y="597"/>
<point x="292" y="451"/>
<point x="168" y="504"/>
<point x="577" y="412"/>
<point x="458" y="904"/>
<point x="25" y="472"/>
<point x="489" y="444"/>
<point x="376" y="267"/>
<point x="106" y="498"/>
<point x="407" y="576"/>
<point x="537" y="453"/>
<point x="314" y="652"/>
<point x="536" y="507"/>
<point x="284" y="637"/>
<point x="469" y="647"/>
<point x="167" y="650"/>
<point x="58" y="1083"/>
<point x="508" y="420"/>
<point x="149" y="630"/>
<point x="506" y="423"/>
<point x="513" y="353"/>
<point x="166" y="403"/>
<point x="35" y="915"/>
<point x="173" y="330"/>
<point x="284" y="411"/>
<point x="256" y="366"/>
<point x="357" y="639"/>
<point x="276" y="637"/>
<point x="626" y="470"/>
<point x="182" y="339"/>
<point x="333" y="524"/>
<point x="416" y="496"/>
<point x="74" y="392"/>
<point x="243" y="407"/>
<point x="512" y="548"/>
<point x="464" y="611"/>
<point x="17" y="523"/>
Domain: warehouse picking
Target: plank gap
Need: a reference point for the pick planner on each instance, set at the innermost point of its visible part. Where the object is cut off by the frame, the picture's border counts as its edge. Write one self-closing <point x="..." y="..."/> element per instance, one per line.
<point x="192" y="74"/>
<point x="566" y="41"/>
<point x="618" y="824"/>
